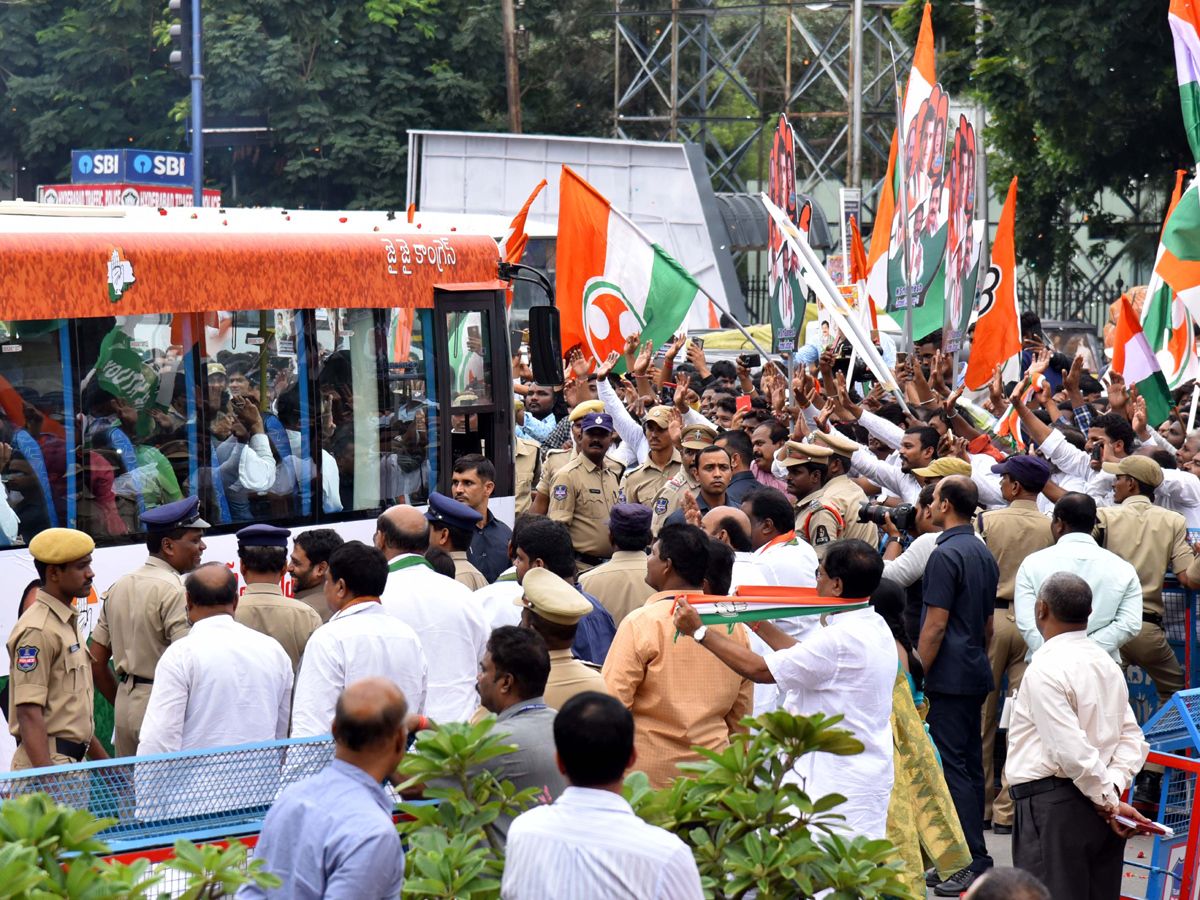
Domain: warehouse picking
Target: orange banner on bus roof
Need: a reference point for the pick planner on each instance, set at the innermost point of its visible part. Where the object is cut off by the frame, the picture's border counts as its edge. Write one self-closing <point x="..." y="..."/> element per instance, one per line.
<point x="56" y="276"/>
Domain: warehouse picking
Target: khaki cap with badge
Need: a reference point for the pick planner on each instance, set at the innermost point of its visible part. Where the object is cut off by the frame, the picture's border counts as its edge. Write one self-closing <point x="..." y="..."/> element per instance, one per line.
<point x="697" y="437"/>
<point x="552" y="598"/>
<point x="946" y="465"/>
<point x="837" y="442"/>
<point x="660" y="416"/>
<point x="1140" y="468"/>
<point x="798" y="454"/>
<point x="587" y="406"/>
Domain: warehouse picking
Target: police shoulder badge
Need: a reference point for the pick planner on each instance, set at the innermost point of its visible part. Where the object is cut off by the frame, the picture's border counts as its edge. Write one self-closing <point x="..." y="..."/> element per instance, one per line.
<point x="660" y="505"/>
<point x="821" y="536"/>
<point x="27" y="659"/>
<point x="560" y="492"/>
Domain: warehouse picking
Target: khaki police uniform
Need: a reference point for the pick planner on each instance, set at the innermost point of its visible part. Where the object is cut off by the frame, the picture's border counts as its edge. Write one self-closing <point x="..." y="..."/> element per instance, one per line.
<point x="315" y="598"/>
<point x="265" y="609"/>
<point x="143" y="613"/>
<point x="670" y="496"/>
<point x="570" y="676"/>
<point x="641" y="484"/>
<point x="1151" y="539"/>
<point x="1011" y="534"/>
<point x="580" y="498"/>
<point x="818" y="522"/>
<point x="619" y="584"/>
<point x="465" y="572"/>
<point x="843" y="494"/>
<point x="527" y="465"/>
<point x="553" y="464"/>
<point x="50" y="667"/>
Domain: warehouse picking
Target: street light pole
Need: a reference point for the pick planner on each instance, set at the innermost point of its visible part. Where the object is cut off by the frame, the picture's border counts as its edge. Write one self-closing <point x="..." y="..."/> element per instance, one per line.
<point x="197" y="112"/>
<point x="856" y="91"/>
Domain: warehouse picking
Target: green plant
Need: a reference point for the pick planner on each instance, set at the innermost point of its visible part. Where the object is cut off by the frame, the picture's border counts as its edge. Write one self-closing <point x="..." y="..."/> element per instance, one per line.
<point x="455" y="851"/>
<point x="49" y="851"/>
<point x="752" y="831"/>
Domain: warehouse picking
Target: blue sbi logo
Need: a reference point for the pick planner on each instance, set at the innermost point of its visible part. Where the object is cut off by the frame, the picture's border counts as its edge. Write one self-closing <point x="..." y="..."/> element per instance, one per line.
<point x="142" y="164"/>
<point x="85" y="165"/>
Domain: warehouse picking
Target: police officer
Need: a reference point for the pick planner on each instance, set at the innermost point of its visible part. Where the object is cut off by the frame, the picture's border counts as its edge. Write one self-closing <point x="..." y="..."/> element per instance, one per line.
<point x="842" y="493"/>
<point x="620" y="584"/>
<point x="818" y="521"/>
<point x="585" y="490"/>
<point x="144" y="612"/>
<point x="262" y="550"/>
<point x="1011" y="533"/>
<point x="527" y="461"/>
<point x="664" y="462"/>
<point x="1151" y="539"/>
<point x="50" y="686"/>
<point x="553" y="608"/>
<point x="693" y="439"/>
<point x="556" y="458"/>
<point x="452" y="527"/>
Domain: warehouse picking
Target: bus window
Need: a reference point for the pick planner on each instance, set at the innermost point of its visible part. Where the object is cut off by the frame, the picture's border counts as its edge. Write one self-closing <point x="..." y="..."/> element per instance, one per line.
<point x="470" y="357"/>
<point x="128" y="366"/>
<point x="375" y="403"/>
<point x="254" y="420"/>
<point x="35" y="430"/>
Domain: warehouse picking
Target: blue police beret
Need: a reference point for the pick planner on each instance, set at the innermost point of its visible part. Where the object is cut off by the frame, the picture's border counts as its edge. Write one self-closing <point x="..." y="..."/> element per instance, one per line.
<point x="263" y="536"/>
<point x="183" y="513"/>
<point x="596" y="420"/>
<point x="444" y="509"/>
<point x="629" y="517"/>
<point x="1031" y="469"/>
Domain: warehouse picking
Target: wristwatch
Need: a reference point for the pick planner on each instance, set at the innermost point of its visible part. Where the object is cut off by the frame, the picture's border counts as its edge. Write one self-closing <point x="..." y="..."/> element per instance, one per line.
<point x="699" y="633"/>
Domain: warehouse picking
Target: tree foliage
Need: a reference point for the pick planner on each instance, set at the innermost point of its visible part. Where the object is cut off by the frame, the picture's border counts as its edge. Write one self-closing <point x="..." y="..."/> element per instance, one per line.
<point x="1081" y="97"/>
<point x="340" y="84"/>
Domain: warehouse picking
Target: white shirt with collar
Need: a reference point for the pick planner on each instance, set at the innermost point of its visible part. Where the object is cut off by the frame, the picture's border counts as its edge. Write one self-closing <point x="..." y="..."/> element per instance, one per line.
<point x="792" y="563"/>
<point x="909" y="567"/>
<point x="220" y="685"/>
<point x="1072" y="719"/>
<point x="359" y="641"/>
<point x="449" y="621"/>
<point x="590" y="844"/>
<point x="746" y="571"/>
<point x="496" y="599"/>
<point x="848" y="667"/>
<point x="1116" y="615"/>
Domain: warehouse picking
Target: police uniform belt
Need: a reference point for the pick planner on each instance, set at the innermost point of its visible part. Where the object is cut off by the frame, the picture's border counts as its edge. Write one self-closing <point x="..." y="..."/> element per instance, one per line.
<point x="137" y="679"/>
<point x="73" y="749"/>
<point x="1152" y="618"/>
<point x="591" y="560"/>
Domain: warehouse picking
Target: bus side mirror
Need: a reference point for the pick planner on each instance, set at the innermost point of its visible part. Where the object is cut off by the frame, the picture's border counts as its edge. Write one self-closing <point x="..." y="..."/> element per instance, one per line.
<point x="545" y="345"/>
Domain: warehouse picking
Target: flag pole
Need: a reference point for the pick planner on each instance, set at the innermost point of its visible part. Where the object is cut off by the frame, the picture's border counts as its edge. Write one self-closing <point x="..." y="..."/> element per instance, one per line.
<point x="901" y="144"/>
<point x="1191" y="422"/>
<point x="723" y="307"/>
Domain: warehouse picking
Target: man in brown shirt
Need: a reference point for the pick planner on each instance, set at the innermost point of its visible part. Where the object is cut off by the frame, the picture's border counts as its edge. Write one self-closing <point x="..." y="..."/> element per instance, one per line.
<point x="620" y="584"/>
<point x="262" y="550"/>
<point x="308" y="564"/>
<point x="680" y="695"/>
<point x="1011" y="534"/>
<point x="50" y="689"/>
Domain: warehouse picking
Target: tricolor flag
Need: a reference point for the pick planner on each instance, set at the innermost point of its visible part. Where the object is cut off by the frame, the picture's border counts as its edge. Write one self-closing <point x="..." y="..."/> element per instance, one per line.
<point x="998" y="329"/>
<point x="755" y="602"/>
<point x="877" y="261"/>
<point x="1185" y="23"/>
<point x="858" y="276"/>
<point x="1134" y="359"/>
<point x="1166" y="320"/>
<point x="1010" y="423"/>
<point x="613" y="281"/>
<point x="1178" y="261"/>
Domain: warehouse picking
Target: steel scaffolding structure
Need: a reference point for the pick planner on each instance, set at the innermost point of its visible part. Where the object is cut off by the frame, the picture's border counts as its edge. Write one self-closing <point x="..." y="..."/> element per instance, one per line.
<point x="718" y="72"/>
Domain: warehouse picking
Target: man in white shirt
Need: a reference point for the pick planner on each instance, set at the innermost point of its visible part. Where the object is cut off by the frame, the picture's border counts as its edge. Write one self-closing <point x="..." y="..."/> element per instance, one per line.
<point x="443" y="612"/>
<point x="360" y="641"/>
<point x="223" y="683"/>
<point x="848" y="667"/>
<point x="1116" y="615"/>
<point x="1074" y="746"/>
<point x="781" y="556"/>
<point x="589" y="842"/>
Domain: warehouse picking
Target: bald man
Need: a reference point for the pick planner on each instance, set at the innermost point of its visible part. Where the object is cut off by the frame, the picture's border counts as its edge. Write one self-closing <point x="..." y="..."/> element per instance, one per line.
<point x="331" y="836"/>
<point x="444" y="613"/>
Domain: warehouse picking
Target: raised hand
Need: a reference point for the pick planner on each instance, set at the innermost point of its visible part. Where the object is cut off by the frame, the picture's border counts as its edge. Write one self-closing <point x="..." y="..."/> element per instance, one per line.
<point x="1037" y="368"/>
<point x="822" y="418"/>
<point x="948" y="405"/>
<point x="579" y="363"/>
<point x="849" y="408"/>
<point x="1118" y="394"/>
<point x="936" y="382"/>
<point x="675" y="427"/>
<point x="604" y="369"/>
<point x="682" y="381"/>
<point x="691" y="510"/>
<point x="1139" y="418"/>
<point x="1071" y="379"/>
<point x="642" y="364"/>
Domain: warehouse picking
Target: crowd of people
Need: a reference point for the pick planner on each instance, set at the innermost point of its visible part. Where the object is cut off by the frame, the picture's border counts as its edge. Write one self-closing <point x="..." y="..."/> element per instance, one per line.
<point x="992" y="576"/>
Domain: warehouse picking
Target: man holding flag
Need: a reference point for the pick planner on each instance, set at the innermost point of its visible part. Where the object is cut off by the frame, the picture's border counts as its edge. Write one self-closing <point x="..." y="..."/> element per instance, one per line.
<point x="846" y="668"/>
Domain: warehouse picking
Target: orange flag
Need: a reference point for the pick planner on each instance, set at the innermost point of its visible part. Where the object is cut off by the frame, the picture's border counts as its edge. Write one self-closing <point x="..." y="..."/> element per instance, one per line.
<point x="858" y="270"/>
<point x="998" y="329"/>
<point x="513" y="243"/>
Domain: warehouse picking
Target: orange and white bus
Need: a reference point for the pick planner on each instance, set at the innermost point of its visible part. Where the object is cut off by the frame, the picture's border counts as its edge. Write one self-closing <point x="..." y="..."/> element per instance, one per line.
<point x="303" y="368"/>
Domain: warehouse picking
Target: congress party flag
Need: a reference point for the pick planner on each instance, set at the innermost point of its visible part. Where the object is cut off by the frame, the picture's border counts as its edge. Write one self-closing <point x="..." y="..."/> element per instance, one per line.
<point x="755" y="602"/>
<point x="1185" y="23"/>
<point x="512" y="245"/>
<point x="613" y="281"/>
<point x="998" y="329"/>
<point x="1136" y="362"/>
<point x="877" y="261"/>
<point x="1166" y="320"/>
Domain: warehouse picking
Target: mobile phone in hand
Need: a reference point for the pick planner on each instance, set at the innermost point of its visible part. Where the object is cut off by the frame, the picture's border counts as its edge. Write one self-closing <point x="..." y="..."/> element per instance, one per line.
<point x="1145" y="827"/>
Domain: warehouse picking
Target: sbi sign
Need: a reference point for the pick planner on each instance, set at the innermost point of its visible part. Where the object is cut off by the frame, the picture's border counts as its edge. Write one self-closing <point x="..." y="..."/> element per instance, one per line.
<point x="159" y="167"/>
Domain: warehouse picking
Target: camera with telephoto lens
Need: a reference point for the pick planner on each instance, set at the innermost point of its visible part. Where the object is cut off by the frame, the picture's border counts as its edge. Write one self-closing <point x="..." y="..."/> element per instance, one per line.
<point x="904" y="516"/>
<point x="841" y="363"/>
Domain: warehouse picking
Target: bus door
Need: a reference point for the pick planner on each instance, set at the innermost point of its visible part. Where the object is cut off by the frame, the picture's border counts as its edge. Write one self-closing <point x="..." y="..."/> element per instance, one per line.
<point x="474" y="380"/>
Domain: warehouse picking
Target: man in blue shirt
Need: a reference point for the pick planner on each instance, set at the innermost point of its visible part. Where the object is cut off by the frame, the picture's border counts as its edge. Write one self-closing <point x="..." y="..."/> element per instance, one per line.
<point x="331" y="836"/>
<point x="959" y="589"/>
